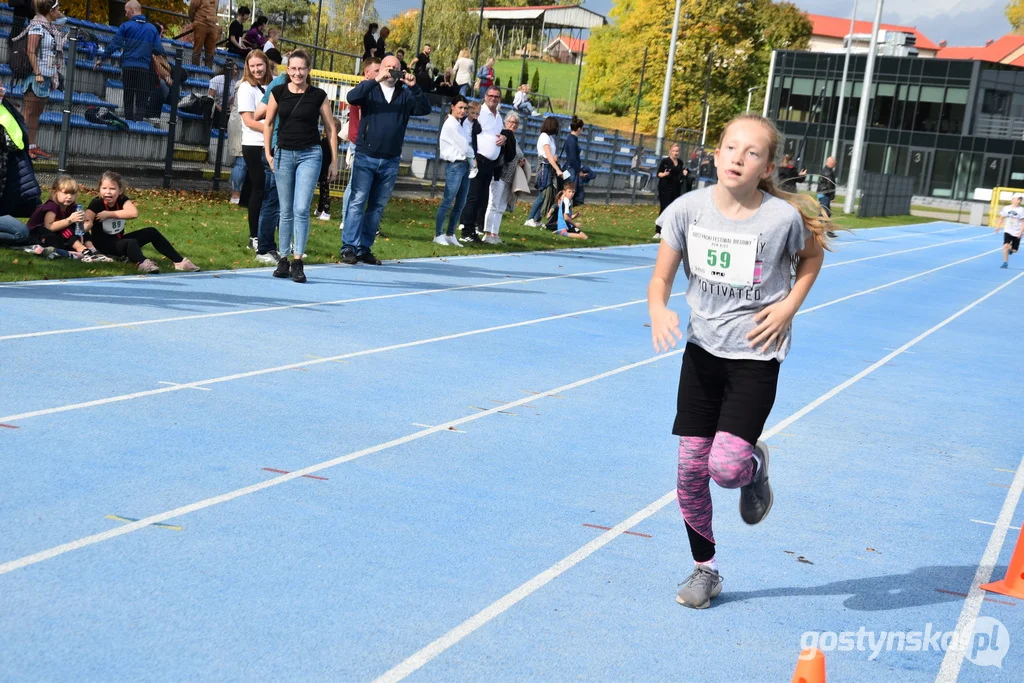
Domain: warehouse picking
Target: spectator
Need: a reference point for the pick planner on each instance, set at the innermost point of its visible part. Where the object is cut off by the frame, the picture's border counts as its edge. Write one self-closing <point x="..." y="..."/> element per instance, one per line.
<point x="382" y="48"/>
<point x="500" y="191"/>
<point x="788" y="175"/>
<point x="549" y="174"/>
<point x="421" y="64"/>
<point x="205" y="30"/>
<point x="463" y="71"/>
<point x="670" y="183"/>
<point x="270" y="47"/>
<point x="138" y="41"/>
<point x="323" y="207"/>
<point x="826" y="189"/>
<point x="443" y="85"/>
<point x="162" y="74"/>
<point x="370" y="43"/>
<point x="371" y="67"/>
<point x="297" y="164"/>
<point x="105" y="220"/>
<point x="573" y="158"/>
<point x="385" y="106"/>
<point x="456" y="150"/>
<point x="236" y="33"/>
<point x="254" y="36"/>
<point x="250" y="92"/>
<point x="55" y="223"/>
<point x="19" y="194"/>
<point x="563" y="221"/>
<point x="45" y="48"/>
<point x="400" y="53"/>
<point x="22" y="12"/>
<point x="521" y="102"/>
<point x="270" y="211"/>
<point x="488" y="147"/>
<point x="485" y="77"/>
<point x="216" y="90"/>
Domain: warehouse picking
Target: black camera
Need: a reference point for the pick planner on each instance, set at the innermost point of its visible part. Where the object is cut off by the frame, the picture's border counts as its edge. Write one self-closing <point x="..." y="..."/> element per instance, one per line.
<point x="396" y="74"/>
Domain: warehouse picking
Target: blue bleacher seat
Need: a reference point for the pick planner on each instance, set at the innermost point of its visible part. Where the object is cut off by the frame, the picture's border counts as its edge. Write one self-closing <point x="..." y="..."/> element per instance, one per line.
<point x="79" y="121"/>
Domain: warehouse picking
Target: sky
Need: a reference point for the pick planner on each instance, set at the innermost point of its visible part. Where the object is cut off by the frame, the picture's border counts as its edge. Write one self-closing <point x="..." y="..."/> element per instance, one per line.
<point x="958" y="22"/>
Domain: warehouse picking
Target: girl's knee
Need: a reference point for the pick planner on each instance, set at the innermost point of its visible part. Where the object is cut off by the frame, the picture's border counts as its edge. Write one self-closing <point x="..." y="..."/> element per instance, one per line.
<point x="730" y="462"/>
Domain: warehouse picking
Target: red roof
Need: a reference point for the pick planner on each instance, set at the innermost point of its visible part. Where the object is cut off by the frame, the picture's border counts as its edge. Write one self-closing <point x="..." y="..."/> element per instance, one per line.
<point x="574" y="45"/>
<point x="996" y="51"/>
<point x="525" y="7"/>
<point x="838" y="27"/>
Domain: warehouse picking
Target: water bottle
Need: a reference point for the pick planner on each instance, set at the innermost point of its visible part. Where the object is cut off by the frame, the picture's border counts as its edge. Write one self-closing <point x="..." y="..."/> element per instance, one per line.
<point x="79" y="226"/>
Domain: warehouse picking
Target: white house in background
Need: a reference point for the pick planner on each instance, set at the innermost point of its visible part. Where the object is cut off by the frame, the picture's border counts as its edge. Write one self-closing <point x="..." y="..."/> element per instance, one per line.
<point x="566" y="49"/>
<point x="828" y="34"/>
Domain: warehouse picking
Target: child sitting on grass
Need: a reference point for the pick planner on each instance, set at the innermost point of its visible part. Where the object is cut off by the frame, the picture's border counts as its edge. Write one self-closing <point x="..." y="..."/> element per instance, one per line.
<point x="105" y="219"/>
<point x="561" y="219"/>
<point x="53" y="224"/>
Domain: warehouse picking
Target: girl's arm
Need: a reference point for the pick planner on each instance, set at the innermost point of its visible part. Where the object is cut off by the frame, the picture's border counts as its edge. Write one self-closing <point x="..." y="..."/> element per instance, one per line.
<point x="665" y="331"/>
<point x="51" y="223"/>
<point x="250" y="122"/>
<point x="551" y="159"/>
<point x="774" y="320"/>
<point x="90" y="217"/>
<point x="33" y="47"/>
<point x="328" y="118"/>
<point x="127" y="213"/>
<point x="268" y="128"/>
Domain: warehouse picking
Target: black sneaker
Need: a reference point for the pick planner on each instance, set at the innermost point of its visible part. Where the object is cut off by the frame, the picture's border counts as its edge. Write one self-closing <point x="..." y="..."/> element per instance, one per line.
<point x="282" y="269"/>
<point x="296" y="273"/>
<point x="348" y="256"/>
<point x="756" y="498"/>
<point x="368" y="257"/>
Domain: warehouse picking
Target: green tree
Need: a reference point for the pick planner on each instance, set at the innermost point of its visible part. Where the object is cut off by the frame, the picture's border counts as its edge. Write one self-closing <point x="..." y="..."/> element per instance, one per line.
<point x="291" y="16"/>
<point x="509" y="93"/>
<point x="448" y="26"/>
<point x="524" y="76"/>
<point x="535" y="81"/>
<point x="739" y="34"/>
<point x="1015" y="14"/>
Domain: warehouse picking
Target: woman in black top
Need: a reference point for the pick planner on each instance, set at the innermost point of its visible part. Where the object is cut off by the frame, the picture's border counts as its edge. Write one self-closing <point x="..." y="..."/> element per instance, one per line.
<point x="370" y="43"/>
<point x="670" y="182"/>
<point x="296" y="161"/>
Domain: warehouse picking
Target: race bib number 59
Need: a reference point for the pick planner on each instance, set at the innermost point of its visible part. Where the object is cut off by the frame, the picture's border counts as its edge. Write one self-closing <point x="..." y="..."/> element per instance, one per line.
<point x="726" y="258"/>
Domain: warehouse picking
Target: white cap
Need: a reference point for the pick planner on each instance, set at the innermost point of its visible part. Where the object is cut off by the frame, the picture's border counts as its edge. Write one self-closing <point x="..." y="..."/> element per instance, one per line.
<point x="1017" y="195"/>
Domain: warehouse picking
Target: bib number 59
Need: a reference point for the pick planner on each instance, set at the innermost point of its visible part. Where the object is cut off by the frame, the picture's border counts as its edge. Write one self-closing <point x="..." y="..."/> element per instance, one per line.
<point x="718" y="258"/>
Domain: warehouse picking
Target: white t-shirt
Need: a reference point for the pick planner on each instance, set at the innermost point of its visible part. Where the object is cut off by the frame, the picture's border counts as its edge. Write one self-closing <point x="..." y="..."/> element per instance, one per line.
<point x="1013" y="220"/>
<point x="268" y="46"/>
<point x="545" y="139"/>
<point x="389" y="91"/>
<point x="566" y="206"/>
<point x="490" y="128"/>
<point x="247" y="99"/>
<point x="217" y="86"/>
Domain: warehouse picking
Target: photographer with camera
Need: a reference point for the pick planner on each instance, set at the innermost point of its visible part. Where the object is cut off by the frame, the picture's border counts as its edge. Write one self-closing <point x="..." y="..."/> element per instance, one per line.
<point x="385" y="103"/>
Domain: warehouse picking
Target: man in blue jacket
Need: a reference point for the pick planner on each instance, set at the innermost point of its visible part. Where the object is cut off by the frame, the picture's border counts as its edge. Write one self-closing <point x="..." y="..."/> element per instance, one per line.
<point x="138" y="41"/>
<point x="386" y="105"/>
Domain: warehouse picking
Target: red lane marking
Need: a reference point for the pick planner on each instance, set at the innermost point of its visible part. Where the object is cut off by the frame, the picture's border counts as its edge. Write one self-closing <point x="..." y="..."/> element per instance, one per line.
<point x="608" y="528"/>
<point x="7" y="426"/>
<point x="308" y="476"/>
<point x="964" y="595"/>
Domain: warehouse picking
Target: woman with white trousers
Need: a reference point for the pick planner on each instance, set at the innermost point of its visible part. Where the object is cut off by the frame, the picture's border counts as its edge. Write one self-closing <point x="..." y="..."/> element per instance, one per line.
<point x="501" y="187"/>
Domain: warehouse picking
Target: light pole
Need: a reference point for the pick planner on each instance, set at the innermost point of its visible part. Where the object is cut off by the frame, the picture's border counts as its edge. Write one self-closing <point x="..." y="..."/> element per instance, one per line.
<point x="842" y="87"/>
<point x="750" y="94"/>
<point x="862" y="114"/>
<point x="663" y="116"/>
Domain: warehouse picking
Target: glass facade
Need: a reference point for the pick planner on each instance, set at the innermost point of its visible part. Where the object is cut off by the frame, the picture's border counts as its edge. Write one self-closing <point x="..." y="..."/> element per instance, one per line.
<point x="953" y="125"/>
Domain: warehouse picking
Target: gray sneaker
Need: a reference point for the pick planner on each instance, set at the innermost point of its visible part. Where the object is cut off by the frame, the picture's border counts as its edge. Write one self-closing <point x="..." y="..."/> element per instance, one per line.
<point x="756" y="497"/>
<point x="704" y="583"/>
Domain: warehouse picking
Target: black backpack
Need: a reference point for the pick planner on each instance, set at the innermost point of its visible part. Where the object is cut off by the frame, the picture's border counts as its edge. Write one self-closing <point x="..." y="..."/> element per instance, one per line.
<point x="20" y="63"/>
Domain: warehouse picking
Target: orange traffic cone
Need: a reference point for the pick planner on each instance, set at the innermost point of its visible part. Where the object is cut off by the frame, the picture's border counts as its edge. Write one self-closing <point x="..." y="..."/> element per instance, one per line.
<point x="810" y="668"/>
<point x="1013" y="583"/>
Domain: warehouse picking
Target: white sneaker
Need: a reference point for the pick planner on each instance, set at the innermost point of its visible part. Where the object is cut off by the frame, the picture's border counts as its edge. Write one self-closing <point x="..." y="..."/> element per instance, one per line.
<point x="453" y="240"/>
<point x="267" y="258"/>
<point x="254" y="243"/>
<point x="530" y="223"/>
<point x="473" y="172"/>
<point x="324" y="216"/>
<point x="492" y="239"/>
<point x="234" y="200"/>
<point x="657" y="237"/>
<point x="440" y="239"/>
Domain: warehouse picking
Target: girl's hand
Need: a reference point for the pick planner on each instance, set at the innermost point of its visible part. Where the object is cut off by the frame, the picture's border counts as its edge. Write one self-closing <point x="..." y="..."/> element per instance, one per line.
<point x="100" y="216"/>
<point x="773" y="323"/>
<point x="665" y="332"/>
<point x="332" y="173"/>
<point x="270" y="161"/>
<point x="77" y="217"/>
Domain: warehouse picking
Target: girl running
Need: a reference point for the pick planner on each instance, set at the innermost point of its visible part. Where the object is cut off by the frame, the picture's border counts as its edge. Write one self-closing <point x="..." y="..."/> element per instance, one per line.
<point x="739" y="239"/>
<point x="105" y="220"/>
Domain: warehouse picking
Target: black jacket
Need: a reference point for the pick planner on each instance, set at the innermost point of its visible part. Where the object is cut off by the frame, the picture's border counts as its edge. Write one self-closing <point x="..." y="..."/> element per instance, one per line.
<point x="382" y="124"/>
<point x="21" y="191"/>
<point x="827" y="182"/>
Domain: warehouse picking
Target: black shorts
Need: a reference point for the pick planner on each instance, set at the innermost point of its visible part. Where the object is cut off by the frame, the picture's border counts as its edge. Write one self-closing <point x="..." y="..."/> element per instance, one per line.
<point x="1014" y="242"/>
<point x="724" y="395"/>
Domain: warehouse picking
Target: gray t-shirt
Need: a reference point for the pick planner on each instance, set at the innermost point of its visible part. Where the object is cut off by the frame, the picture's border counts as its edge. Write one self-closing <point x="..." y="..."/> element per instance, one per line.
<point x="735" y="268"/>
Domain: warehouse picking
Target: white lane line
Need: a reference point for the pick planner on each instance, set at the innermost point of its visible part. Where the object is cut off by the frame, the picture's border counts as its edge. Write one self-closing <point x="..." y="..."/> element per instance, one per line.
<point x="980" y="521"/>
<point x="902" y="251"/>
<point x="342" y="357"/>
<point x="175" y="384"/>
<point x="302" y="365"/>
<point x="313" y="304"/>
<point x="954" y="657"/>
<point x="867" y="240"/>
<point x="312" y="469"/>
<point x="503" y="604"/>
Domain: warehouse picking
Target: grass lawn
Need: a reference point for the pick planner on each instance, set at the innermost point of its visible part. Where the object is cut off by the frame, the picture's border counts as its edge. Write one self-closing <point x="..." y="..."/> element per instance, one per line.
<point x="557" y="81"/>
<point x="212" y="233"/>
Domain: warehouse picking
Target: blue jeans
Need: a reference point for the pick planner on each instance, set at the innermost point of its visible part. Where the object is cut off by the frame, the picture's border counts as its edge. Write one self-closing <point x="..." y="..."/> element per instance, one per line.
<point x="12" y="232"/>
<point x="270" y="211"/>
<point x="456" y="189"/>
<point x="238" y="174"/>
<point x="373" y="180"/>
<point x="297" y="173"/>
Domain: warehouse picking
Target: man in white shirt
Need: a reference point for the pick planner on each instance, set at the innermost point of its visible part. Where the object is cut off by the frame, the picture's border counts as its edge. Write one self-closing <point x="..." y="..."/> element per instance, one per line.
<point x="488" y="148"/>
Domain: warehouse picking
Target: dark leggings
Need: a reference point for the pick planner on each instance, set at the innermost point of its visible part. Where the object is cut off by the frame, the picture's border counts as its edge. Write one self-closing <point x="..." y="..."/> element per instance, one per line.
<point x="131" y="245"/>
<point x="664" y="199"/>
<point x="324" y="205"/>
<point x="255" y="170"/>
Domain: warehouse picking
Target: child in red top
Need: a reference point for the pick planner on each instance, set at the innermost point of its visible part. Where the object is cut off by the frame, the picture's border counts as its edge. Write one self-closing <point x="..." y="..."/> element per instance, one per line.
<point x="105" y="220"/>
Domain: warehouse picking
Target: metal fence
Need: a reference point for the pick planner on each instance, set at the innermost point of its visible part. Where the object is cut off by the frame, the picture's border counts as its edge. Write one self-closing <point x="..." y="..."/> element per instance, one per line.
<point x="885" y="195"/>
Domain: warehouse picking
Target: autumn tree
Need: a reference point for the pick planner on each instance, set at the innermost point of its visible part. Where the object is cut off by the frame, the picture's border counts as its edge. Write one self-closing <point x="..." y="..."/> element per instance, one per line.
<point x="448" y="26"/>
<point x="1015" y="14"/>
<point x="738" y="34"/>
